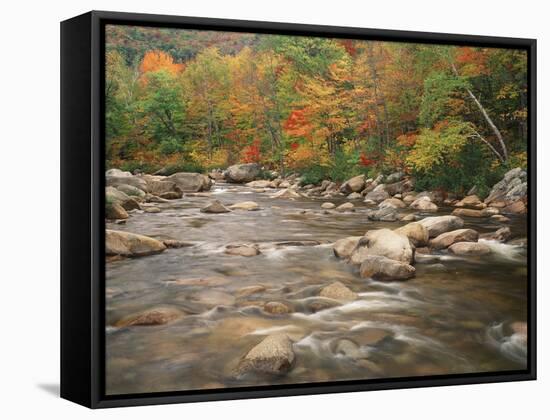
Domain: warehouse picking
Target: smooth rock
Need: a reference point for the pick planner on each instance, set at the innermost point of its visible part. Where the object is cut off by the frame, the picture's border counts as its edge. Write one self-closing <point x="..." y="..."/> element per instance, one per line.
<point x="423" y="204"/>
<point x="245" y="205"/>
<point x="500" y="235"/>
<point x="383" y="242"/>
<point x="417" y="233"/>
<point x="276" y="308"/>
<point x="328" y="205"/>
<point x="446" y="239"/>
<point x="355" y="184"/>
<point x="382" y="268"/>
<point x="273" y="355"/>
<point x="338" y="291"/>
<point x="467" y="213"/>
<point x="439" y="224"/>
<point x="469" y="248"/>
<point x="130" y="244"/>
<point x="191" y="181"/>
<point x="242" y="173"/>
<point x="115" y="211"/>
<point x="343" y="248"/>
<point x="215" y="207"/>
<point x="345" y="207"/>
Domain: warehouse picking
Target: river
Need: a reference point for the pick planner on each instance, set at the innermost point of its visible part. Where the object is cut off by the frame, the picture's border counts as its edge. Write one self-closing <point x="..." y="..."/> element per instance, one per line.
<point x="453" y="317"/>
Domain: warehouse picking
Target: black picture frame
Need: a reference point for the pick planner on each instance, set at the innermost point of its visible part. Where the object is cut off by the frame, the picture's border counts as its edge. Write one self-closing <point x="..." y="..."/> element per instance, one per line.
<point x="82" y="209"/>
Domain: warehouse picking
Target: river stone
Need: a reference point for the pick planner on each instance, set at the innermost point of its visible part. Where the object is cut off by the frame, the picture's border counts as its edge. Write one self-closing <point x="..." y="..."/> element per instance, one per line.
<point x="440" y="224"/>
<point x="328" y="205"/>
<point x="446" y="239"/>
<point x="320" y="304"/>
<point x="408" y="217"/>
<point x="117" y="172"/>
<point x="338" y="291"/>
<point x="393" y="203"/>
<point x="130" y="244"/>
<point x="174" y="243"/>
<point x="276" y="308"/>
<point x="416" y="233"/>
<point x="382" y="268"/>
<point x="273" y="355"/>
<point x="489" y="211"/>
<point x="344" y="247"/>
<point x="130" y="190"/>
<point x="353" y="185"/>
<point x="467" y="213"/>
<point x="215" y="207"/>
<point x="377" y="195"/>
<point x="385" y="214"/>
<point x="517" y="207"/>
<point x="115" y="181"/>
<point x="242" y="250"/>
<point x="399" y="187"/>
<point x="469" y="248"/>
<point x="263" y="183"/>
<point x="115" y="211"/>
<point x="354" y="196"/>
<point x="149" y="317"/>
<point x="287" y="193"/>
<point x="383" y="242"/>
<point x="242" y="173"/>
<point x="408" y="198"/>
<point x="500" y="218"/>
<point x="500" y="235"/>
<point x="115" y="196"/>
<point x="171" y="195"/>
<point x="469" y="201"/>
<point x="245" y="205"/>
<point x="345" y="207"/>
<point x="158" y="187"/>
<point x="190" y="181"/>
<point x="151" y="209"/>
<point x="424" y="204"/>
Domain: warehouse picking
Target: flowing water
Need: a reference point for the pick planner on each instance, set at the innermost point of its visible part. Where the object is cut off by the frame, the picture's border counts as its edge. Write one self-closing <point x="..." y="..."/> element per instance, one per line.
<point x="453" y="317"/>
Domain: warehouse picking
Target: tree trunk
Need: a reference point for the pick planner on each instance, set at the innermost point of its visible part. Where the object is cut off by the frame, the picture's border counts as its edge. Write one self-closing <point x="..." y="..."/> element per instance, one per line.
<point x="494" y="128"/>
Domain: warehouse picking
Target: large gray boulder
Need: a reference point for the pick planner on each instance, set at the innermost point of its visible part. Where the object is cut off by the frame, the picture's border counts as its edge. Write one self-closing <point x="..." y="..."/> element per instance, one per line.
<point x="440" y="224"/>
<point x="190" y="181"/>
<point x="135" y="181"/>
<point x="128" y="244"/>
<point x="512" y="187"/>
<point x="377" y="195"/>
<point x="273" y="355"/>
<point x="383" y="242"/>
<point x="381" y="268"/>
<point x="241" y="173"/>
<point x="162" y="186"/>
<point x="114" y="197"/>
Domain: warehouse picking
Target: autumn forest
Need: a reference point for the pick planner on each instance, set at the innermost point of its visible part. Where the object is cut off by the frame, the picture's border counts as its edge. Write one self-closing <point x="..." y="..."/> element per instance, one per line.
<point x="183" y="100"/>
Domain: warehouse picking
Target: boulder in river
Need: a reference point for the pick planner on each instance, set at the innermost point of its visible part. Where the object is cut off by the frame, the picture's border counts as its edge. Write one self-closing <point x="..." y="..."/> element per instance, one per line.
<point x="416" y="233"/>
<point x="114" y="211"/>
<point x="242" y="173"/>
<point x="469" y="248"/>
<point x="135" y="181"/>
<point x="467" y="213"/>
<point x="338" y="291"/>
<point x="287" y="193"/>
<point x="345" y="207"/>
<point x="393" y="203"/>
<point x="355" y="184"/>
<point x="245" y="205"/>
<point x="384" y="214"/>
<point x="354" y="196"/>
<point x="439" y="224"/>
<point x="277" y="308"/>
<point x="160" y="186"/>
<point x="128" y="244"/>
<point x="446" y="239"/>
<point x="500" y="218"/>
<point x="517" y="207"/>
<point x="191" y="181"/>
<point x="117" y="172"/>
<point x="215" y="207"/>
<point x="343" y="248"/>
<point x="171" y="195"/>
<point x="273" y="355"/>
<point x="382" y="268"/>
<point x="243" y="250"/>
<point x="469" y="201"/>
<point x="400" y="187"/>
<point x="512" y="187"/>
<point x="149" y="317"/>
<point x="500" y="235"/>
<point x="328" y="205"/>
<point x="130" y="190"/>
<point x="377" y="195"/>
<point x="423" y="204"/>
<point x="115" y="196"/>
<point x="263" y="183"/>
<point x="383" y="242"/>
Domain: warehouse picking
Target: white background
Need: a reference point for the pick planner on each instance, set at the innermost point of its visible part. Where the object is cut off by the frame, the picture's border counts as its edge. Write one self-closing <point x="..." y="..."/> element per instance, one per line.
<point x="29" y="220"/>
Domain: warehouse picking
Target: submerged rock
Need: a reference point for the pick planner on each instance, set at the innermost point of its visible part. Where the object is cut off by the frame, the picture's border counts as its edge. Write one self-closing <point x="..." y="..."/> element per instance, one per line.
<point x="469" y="248"/>
<point x="243" y="250"/>
<point x="149" y="317"/>
<point x="215" y="207"/>
<point x="273" y="355"/>
<point x="245" y="205"/>
<point x="382" y="268"/>
<point x="130" y="244"/>
<point x="338" y="291"/>
<point x="276" y="308"/>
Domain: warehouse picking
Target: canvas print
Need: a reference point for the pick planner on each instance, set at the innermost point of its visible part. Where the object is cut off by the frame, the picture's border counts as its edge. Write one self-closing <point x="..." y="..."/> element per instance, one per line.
<point x="291" y="209"/>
